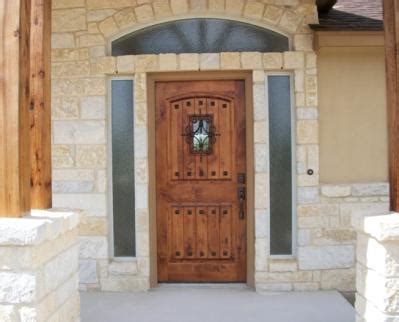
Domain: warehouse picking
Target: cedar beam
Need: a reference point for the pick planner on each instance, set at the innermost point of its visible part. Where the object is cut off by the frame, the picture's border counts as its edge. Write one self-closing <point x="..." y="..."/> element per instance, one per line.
<point x="40" y="101"/>
<point x="14" y="108"/>
<point x="391" y="26"/>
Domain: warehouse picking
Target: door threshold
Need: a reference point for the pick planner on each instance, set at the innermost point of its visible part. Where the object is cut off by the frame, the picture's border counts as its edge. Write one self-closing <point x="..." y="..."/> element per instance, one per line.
<point x="235" y="286"/>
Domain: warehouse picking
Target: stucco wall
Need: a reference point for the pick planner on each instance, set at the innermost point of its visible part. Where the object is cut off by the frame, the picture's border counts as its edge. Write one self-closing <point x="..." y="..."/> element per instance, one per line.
<point x="353" y="125"/>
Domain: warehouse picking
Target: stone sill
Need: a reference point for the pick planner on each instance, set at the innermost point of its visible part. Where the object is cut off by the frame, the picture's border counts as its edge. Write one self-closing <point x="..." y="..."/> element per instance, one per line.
<point x="40" y="226"/>
<point x="383" y="227"/>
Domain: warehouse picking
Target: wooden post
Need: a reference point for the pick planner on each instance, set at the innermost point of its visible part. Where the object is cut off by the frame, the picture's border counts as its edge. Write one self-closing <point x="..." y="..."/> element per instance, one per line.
<point x="391" y="24"/>
<point x="14" y="108"/>
<point x="40" y="101"/>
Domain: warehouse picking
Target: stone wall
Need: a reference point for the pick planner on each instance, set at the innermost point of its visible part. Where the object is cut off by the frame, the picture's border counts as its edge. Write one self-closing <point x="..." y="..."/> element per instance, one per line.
<point x="39" y="267"/>
<point x="377" y="267"/>
<point x="80" y="69"/>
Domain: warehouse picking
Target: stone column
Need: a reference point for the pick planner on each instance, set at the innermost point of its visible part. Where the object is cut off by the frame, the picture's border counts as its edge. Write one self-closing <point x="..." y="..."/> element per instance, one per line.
<point x="39" y="267"/>
<point x="377" y="267"/>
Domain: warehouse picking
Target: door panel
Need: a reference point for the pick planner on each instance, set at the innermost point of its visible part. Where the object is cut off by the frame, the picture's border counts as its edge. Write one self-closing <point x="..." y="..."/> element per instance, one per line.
<point x="200" y="150"/>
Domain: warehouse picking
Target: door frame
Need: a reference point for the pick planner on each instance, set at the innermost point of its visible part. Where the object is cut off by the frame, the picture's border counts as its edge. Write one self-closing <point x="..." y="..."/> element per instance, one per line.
<point x="246" y="76"/>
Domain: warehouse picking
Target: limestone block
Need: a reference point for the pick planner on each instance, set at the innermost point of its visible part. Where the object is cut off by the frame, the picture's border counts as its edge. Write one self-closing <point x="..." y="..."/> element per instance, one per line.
<point x="230" y="60"/>
<point x="65" y="108"/>
<point x="299" y="80"/>
<point x="261" y="255"/>
<point x="95" y="204"/>
<point x="67" y="290"/>
<point x="62" y="4"/>
<point x="311" y="60"/>
<point x="143" y="264"/>
<point x="303" y="42"/>
<point x="124" y="284"/>
<point x="108" y="27"/>
<point x="179" y="6"/>
<point x="305" y="180"/>
<point x="312" y="222"/>
<point x="258" y="76"/>
<point x="306" y="195"/>
<point x="188" y="61"/>
<point x="68" y="20"/>
<point x="103" y="65"/>
<point x="335" y="191"/>
<point x="79" y="132"/>
<point x="261" y="157"/>
<point x="209" y="61"/>
<point x="294" y="60"/>
<point x="143" y="244"/>
<point x="197" y="6"/>
<point x="90" y="40"/>
<point x="144" y="13"/>
<point x="328" y="236"/>
<point x="261" y="223"/>
<point x="140" y="149"/>
<point x="307" y="131"/>
<point x="259" y="97"/>
<point x="8" y="313"/>
<point x="140" y="114"/>
<point x="62" y="40"/>
<point x="99" y="15"/>
<point x="123" y="267"/>
<point x="295" y="276"/>
<point x="140" y="87"/>
<point x="306" y="287"/>
<point x="141" y="193"/>
<point x="93" y="247"/>
<point x="290" y="21"/>
<point x="167" y="62"/>
<point x="70" y="310"/>
<point x="318" y="210"/>
<point x="91" y="156"/>
<point x="273" y="61"/>
<point x="304" y="237"/>
<point x="93" y="107"/>
<point x="92" y="28"/>
<point x="283" y="266"/>
<point x="300" y="99"/>
<point x="78" y="87"/>
<point x="141" y="172"/>
<point x="216" y="5"/>
<point x="161" y="8"/>
<point x="93" y="226"/>
<point x="88" y="271"/>
<point x="146" y="63"/>
<point x="17" y="287"/>
<point x="273" y="287"/>
<point x="58" y="55"/>
<point x="370" y="189"/>
<point x="251" y="60"/>
<point x="254" y="10"/>
<point x="367" y="312"/>
<point x="234" y="7"/>
<point x="125" y="17"/>
<point x="309" y="113"/>
<point x="101" y="4"/>
<point x="62" y="156"/>
<point x="70" y="69"/>
<point x="326" y="257"/>
<point x="261" y="134"/>
<point x="273" y="14"/>
<point x="142" y="220"/>
<point x="311" y="84"/>
<point x="72" y="186"/>
<point x="101" y="181"/>
<point x="97" y="51"/>
<point x="125" y="64"/>
<point x="313" y="157"/>
<point x="261" y="190"/>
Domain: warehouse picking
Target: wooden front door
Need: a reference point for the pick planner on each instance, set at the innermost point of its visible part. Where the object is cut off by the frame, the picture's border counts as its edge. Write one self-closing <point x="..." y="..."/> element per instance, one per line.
<point x="200" y="179"/>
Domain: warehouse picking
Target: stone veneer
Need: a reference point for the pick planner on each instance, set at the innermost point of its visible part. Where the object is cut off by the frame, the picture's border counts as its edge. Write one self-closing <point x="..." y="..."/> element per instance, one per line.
<point x="377" y="267"/>
<point x="39" y="267"/>
<point x="81" y="66"/>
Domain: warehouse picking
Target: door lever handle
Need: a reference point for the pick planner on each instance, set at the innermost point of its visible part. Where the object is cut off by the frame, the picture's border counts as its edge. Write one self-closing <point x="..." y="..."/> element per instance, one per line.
<point x="241" y="199"/>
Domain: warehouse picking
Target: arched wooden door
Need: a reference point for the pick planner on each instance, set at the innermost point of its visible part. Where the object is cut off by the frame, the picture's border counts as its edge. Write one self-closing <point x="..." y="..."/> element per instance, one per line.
<point x="200" y="181"/>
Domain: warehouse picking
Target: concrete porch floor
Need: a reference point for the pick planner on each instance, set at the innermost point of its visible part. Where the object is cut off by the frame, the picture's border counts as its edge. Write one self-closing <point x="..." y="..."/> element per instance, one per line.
<point x="190" y="303"/>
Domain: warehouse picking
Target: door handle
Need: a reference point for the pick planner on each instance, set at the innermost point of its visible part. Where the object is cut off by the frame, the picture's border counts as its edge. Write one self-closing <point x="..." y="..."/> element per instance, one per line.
<point x="241" y="200"/>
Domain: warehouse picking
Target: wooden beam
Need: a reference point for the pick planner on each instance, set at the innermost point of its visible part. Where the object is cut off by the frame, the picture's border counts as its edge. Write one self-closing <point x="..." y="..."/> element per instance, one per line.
<point x="40" y="101"/>
<point x="14" y="108"/>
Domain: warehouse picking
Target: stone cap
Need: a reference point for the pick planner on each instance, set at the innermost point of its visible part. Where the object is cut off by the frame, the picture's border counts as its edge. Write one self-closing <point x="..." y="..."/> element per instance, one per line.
<point x="383" y="227"/>
<point x="40" y="226"/>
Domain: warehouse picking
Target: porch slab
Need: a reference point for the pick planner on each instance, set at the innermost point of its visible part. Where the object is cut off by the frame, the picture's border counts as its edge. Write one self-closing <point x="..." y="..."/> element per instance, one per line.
<point x="214" y="304"/>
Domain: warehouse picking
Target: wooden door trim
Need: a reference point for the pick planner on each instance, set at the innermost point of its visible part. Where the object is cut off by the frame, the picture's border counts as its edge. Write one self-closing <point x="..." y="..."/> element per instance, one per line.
<point x="246" y="76"/>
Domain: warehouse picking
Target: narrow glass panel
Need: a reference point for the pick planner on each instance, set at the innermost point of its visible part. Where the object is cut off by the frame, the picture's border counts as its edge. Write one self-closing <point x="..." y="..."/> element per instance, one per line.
<point x="123" y="167"/>
<point x="200" y="36"/>
<point x="280" y="165"/>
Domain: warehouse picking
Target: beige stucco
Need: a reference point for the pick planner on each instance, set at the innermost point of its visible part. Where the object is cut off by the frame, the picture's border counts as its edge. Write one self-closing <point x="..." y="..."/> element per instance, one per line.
<point x="352" y="106"/>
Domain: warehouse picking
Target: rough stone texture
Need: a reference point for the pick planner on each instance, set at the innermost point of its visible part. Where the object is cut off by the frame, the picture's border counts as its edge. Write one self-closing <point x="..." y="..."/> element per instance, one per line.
<point x="38" y="267"/>
<point x="377" y="281"/>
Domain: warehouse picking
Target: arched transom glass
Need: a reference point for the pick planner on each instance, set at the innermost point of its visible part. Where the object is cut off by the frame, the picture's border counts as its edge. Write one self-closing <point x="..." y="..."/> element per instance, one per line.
<point x="200" y="35"/>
